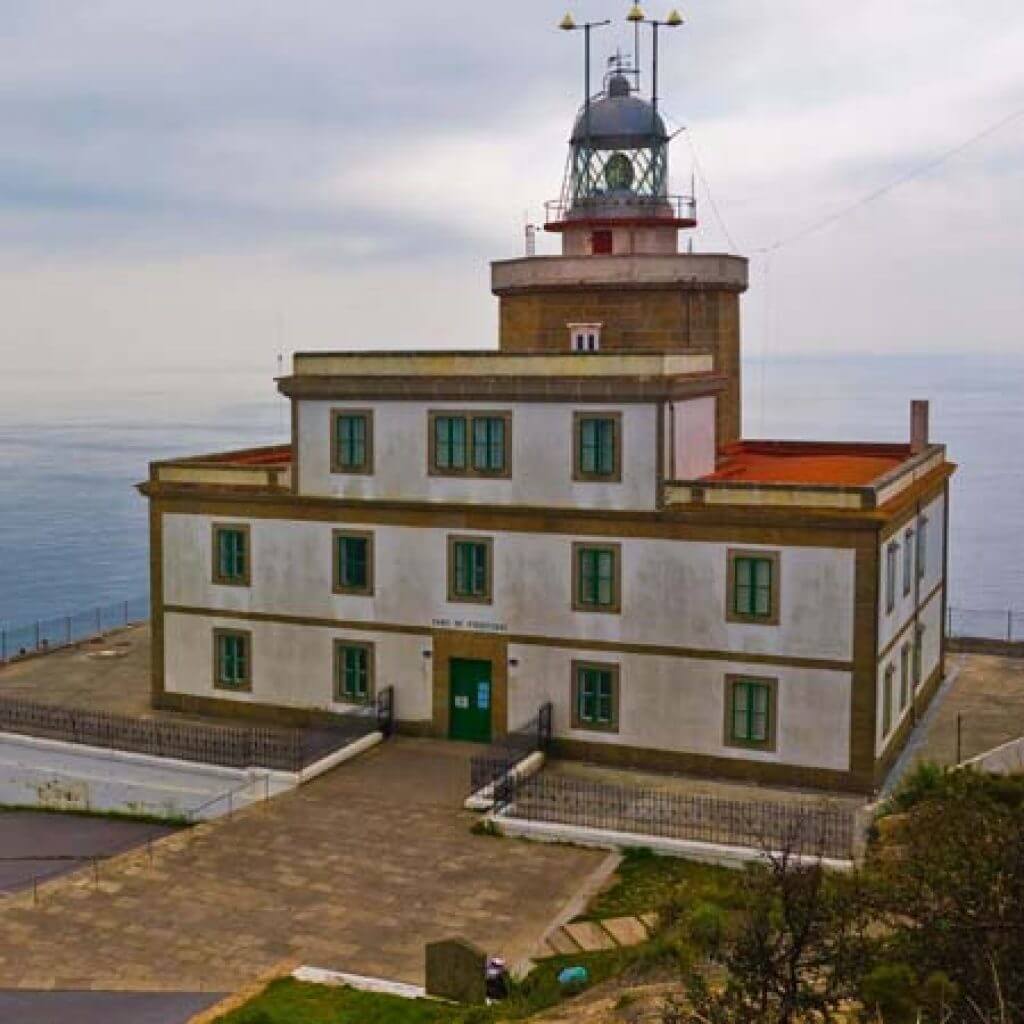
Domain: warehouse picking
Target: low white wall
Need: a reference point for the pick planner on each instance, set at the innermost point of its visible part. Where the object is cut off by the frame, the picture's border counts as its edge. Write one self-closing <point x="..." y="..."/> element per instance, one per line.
<point x="50" y="773"/>
<point x="1007" y="759"/>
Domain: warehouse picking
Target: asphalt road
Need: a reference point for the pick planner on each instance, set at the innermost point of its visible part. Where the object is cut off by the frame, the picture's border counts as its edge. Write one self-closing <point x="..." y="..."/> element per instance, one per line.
<point x="102" y="1007"/>
<point x="39" y="845"/>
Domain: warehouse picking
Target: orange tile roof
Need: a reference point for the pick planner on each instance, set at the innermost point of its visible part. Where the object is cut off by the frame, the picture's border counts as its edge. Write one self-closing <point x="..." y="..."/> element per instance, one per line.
<point x="798" y="462"/>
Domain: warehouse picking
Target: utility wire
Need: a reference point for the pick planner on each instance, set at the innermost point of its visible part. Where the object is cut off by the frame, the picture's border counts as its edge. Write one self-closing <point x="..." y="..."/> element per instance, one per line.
<point x="707" y="189"/>
<point x="910" y="175"/>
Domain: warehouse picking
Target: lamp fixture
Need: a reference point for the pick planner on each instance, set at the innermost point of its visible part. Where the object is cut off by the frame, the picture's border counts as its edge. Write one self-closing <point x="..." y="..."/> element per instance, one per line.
<point x="567" y="24"/>
<point x="674" y="19"/>
<point x="635" y="14"/>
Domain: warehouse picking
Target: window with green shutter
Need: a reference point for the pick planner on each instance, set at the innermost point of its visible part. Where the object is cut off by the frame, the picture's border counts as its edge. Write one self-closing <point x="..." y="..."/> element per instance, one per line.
<point x="908" y="561"/>
<point x="753" y="579"/>
<point x="750" y="712"/>
<point x="922" y="547"/>
<point x="597" y="447"/>
<point x="353" y="672"/>
<point x="904" y="676"/>
<point x="595" y="696"/>
<point x="352" y="442"/>
<point x="232" y="660"/>
<point x="231" y="554"/>
<point x="353" y="562"/>
<point x="469" y="570"/>
<point x="450" y="443"/>
<point x="887" y="687"/>
<point x="596" y="578"/>
<point x="489" y="444"/>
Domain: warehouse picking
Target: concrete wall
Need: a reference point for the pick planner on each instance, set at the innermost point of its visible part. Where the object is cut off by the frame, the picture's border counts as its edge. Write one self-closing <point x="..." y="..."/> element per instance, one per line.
<point x="49" y="773"/>
<point x="673" y="592"/>
<point x="542" y="457"/>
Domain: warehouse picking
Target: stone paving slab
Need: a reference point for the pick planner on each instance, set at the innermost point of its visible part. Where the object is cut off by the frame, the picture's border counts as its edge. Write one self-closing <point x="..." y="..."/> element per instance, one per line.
<point x="561" y="944"/>
<point x="626" y="931"/>
<point x="354" y="872"/>
<point x="589" y="936"/>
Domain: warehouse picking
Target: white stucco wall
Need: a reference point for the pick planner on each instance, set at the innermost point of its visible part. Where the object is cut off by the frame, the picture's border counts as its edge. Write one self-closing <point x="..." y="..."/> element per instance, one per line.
<point x="930" y="618"/>
<point x="542" y="456"/>
<point x="694" y="438"/>
<point x="892" y="623"/>
<point x="673" y="592"/>
<point x="679" y="704"/>
<point x="293" y="666"/>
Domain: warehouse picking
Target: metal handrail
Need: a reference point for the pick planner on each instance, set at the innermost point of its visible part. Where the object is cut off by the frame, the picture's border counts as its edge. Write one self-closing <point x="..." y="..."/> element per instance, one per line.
<point x="676" y="207"/>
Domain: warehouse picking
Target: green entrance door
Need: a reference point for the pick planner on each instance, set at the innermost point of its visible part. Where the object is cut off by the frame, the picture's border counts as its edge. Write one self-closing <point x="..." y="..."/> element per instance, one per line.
<point x="469" y="709"/>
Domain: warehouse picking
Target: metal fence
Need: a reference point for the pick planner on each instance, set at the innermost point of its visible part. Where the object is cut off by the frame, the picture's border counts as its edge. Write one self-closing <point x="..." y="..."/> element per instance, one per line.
<point x="230" y="746"/>
<point x="502" y="755"/>
<point x="822" y="829"/>
<point x="64" y="630"/>
<point x="985" y="624"/>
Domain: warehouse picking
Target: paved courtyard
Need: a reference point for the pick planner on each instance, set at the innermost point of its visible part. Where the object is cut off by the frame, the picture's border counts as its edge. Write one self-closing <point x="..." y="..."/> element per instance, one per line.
<point x="355" y="871"/>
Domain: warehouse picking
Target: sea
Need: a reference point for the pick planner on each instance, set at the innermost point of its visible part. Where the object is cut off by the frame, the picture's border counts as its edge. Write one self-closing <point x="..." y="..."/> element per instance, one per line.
<point x="73" y="528"/>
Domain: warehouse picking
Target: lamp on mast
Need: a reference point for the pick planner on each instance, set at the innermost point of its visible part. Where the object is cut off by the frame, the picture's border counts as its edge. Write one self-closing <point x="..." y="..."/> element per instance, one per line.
<point x="637" y="16"/>
<point x="567" y="24"/>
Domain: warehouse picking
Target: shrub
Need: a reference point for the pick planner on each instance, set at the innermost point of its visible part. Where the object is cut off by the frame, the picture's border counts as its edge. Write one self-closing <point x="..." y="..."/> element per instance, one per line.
<point x="891" y="991"/>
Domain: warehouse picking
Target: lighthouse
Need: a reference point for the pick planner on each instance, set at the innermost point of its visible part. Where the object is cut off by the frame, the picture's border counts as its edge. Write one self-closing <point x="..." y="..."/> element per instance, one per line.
<point x="627" y="279"/>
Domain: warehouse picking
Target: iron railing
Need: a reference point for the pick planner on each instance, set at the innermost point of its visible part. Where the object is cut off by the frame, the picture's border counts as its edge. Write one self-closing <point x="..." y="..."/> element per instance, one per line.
<point x="17" y="641"/>
<point x="231" y="746"/>
<point x="675" y="207"/>
<point x="821" y="829"/>
<point x="985" y="624"/>
<point x="501" y="756"/>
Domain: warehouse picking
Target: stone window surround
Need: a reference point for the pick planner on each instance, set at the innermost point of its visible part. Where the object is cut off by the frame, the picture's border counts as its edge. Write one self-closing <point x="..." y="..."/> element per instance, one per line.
<point x="578" y="475"/>
<point x="229" y="581"/>
<point x="775" y="601"/>
<point x="339" y="697"/>
<point x="488" y="542"/>
<point x="602" y="666"/>
<point x="615" y="608"/>
<point x="367" y="467"/>
<point x="469" y="415"/>
<point x="336" y="585"/>
<point x="218" y="684"/>
<point x="771" y="743"/>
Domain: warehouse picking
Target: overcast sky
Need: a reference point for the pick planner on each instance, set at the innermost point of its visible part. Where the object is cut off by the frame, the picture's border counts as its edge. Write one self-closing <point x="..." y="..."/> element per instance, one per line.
<point x="204" y="183"/>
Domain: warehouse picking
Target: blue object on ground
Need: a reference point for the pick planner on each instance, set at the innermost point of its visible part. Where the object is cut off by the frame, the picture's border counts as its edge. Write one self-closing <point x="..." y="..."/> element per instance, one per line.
<point x="572" y="976"/>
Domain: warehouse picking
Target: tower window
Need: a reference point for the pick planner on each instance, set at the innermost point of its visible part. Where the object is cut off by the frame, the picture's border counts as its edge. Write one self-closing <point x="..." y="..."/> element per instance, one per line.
<point x="585" y="337"/>
<point x="601" y="243"/>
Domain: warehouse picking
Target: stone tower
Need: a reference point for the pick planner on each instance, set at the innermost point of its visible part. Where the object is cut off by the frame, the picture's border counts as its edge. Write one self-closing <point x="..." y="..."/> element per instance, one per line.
<point x="621" y="283"/>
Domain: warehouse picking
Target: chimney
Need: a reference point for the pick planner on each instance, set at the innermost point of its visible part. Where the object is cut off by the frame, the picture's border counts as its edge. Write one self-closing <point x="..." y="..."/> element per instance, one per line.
<point x="918" y="426"/>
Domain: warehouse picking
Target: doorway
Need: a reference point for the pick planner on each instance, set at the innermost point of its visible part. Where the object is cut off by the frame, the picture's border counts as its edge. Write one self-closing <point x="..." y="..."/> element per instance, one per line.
<point x="469" y="711"/>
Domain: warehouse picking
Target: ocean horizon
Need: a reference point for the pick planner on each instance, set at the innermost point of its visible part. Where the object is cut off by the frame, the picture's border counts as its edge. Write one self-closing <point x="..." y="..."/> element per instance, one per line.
<point x="74" y="531"/>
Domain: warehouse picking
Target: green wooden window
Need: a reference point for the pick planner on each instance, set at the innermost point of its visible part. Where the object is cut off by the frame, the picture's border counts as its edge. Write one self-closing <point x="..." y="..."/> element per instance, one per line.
<point x="353" y="662"/>
<point x="918" y="652"/>
<point x="908" y="561"/>
<point x="351" y="442"/>
<point x="922" y="547"/>
<point x="450" y="442"/>
<point x="904" y="676"/>
<point x="232" y="556"/>
<point x="892" y="554"/>
<point x="890" y="672"/>
<point x="470" y="569"/>
<point x="353" y="563"/>
<point x="232" y="659"/>
<point x="752" y="586"/>
<point x="597" y="442"/>
<point x="751" y="712"/>
<point x="489" y="444"/>
<point x="596" y="577"/>
<point x="595" y="696"/>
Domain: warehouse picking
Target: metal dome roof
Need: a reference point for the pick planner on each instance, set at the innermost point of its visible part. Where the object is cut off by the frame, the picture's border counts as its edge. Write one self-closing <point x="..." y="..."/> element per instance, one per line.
<point x="620" y="120"/>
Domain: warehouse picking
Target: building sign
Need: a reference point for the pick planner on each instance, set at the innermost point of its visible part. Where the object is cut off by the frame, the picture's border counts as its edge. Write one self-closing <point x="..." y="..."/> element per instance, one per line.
<point x="473" y="625"/>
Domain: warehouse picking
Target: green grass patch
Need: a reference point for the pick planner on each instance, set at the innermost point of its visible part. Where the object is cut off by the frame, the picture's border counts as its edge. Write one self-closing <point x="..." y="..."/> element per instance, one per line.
<point x="171" y="820"/>
<point x="645" y="880"/>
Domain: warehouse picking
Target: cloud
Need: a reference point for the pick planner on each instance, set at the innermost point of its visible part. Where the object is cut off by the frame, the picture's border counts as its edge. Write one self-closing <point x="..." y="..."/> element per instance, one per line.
<point x="233" y="164"/>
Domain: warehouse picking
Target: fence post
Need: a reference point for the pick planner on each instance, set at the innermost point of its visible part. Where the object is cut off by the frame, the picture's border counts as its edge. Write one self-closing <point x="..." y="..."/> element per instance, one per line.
<point x="949" y="621"/>
<point x="3" y="645"/>
<point x="67" y="629"/>
<point x="99" y="622"/>
<point x="1009" y="625"/>
<point x="126" y="613"/>
<point x="37" y="634"/>
<point x="959" y="737"/>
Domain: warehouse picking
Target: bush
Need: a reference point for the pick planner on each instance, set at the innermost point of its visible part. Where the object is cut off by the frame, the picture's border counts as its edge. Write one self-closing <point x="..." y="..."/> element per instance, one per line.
<point x="891" y="991"/>
<point x="706" y="925"/>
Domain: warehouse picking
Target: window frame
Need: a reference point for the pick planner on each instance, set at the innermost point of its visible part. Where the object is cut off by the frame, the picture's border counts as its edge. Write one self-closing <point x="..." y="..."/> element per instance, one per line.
<point x="906" y="688"/>
<point x="366" y="467"/>
<point x="245" y="686"/>
<point x="771" y="684"/>
<point x="216" y="576"/>
<point x="342" y="644"/>
<point x="615" y="550"/>
<point x="337" y="586"/>
<point x="917" y="658"/>
<point x="580" y="417"/>
<point x="892" y="557"/>
<point x="888" y="690"/>
<point x="453" y="596"/>
<point x="921" y="559"/>
<point x="470" y="469"/>
<point x="908" y="560"/>
<point x="733" y="555"/>
<point x="615" y="671"/>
